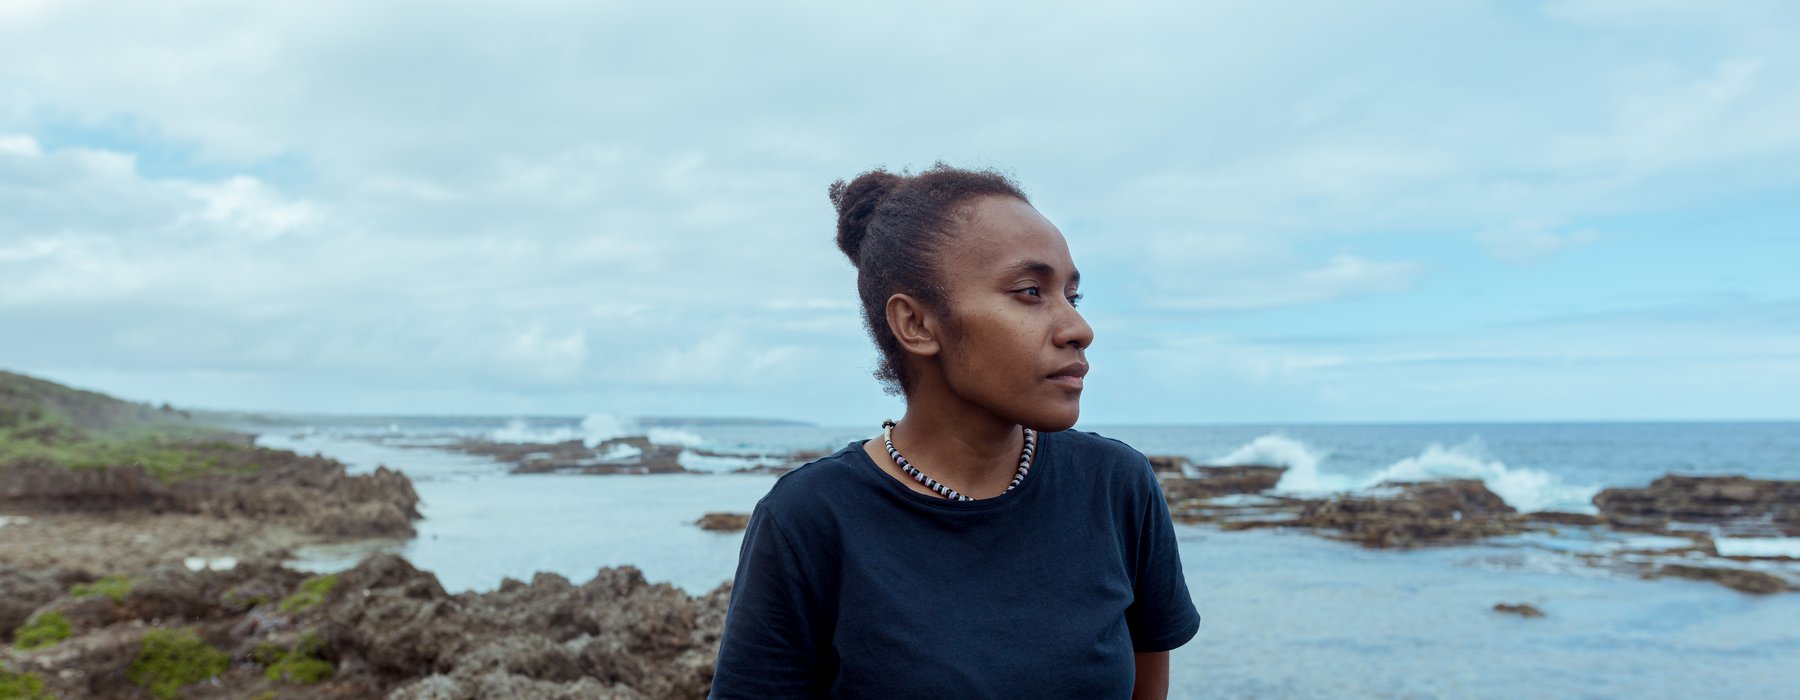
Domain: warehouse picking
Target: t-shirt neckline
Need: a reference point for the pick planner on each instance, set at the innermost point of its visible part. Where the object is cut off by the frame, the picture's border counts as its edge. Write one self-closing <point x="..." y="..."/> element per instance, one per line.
<point x="1037" y="464"/>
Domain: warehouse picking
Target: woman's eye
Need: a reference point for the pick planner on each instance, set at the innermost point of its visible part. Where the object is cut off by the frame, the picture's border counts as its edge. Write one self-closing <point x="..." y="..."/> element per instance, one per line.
<point x="1074" y="300"/>
<point x="1032" y="291"/>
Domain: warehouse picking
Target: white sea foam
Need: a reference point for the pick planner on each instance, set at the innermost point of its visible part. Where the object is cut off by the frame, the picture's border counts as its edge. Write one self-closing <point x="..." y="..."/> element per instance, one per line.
<point x="518" y="430"/>
<point x="596" y="428"/>
<point x="620" y="453"/>
<point x="1522" y="488"/>
<point x="1302" y="475"/>
<point x="672" y="436"/>
<point x="1758" y="546"/>
<point x="600" y="427"/>
<point x="210" y="563"/>
<point x="713" y="463"/>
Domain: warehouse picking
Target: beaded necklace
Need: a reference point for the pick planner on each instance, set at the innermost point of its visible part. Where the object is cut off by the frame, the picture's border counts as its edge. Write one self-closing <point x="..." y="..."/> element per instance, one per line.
<point x="1025" y="455"/>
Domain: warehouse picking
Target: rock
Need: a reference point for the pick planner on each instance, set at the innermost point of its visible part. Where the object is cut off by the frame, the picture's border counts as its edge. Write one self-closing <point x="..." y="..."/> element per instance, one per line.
<point x="1735" y="505"/>
<point x="1560" y="518"/>
<point x="22" y="592"/>
<point x="1219" y="481"/>
<point x="249" y="482"/>
<point x="1175" y="464"/>
<point x="1430" y="512"/>
<point x="1744" y="580"/>
<point x="1520" y="609"/>
<point x="724" y="522"/>
<point x="614" y="636"/>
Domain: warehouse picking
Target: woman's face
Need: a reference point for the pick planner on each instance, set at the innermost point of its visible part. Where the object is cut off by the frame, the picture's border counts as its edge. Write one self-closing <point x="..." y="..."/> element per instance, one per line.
<point x="1014" y="342"/>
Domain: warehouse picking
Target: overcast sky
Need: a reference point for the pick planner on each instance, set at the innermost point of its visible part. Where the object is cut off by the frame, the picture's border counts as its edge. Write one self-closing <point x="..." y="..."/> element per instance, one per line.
<point x="1283" y="211"/>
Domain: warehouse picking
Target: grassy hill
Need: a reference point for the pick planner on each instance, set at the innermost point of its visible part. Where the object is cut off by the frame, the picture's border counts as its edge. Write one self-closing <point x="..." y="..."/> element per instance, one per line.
<point x="44" y="422"/>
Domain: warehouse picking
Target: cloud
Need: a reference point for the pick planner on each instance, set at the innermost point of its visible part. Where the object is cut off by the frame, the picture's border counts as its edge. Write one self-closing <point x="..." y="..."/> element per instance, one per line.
<point x="1526" y="241"/>
<point x="1240" y="273"/>
<point x="553" y="203"/>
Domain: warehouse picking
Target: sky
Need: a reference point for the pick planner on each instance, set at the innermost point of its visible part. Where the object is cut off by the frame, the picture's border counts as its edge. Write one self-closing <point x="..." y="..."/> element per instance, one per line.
<point x="1428" y="210"/>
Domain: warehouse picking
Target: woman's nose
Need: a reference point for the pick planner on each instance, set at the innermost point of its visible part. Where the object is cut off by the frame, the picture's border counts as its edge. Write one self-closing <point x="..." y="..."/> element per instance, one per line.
<point x="1074" y="331"/>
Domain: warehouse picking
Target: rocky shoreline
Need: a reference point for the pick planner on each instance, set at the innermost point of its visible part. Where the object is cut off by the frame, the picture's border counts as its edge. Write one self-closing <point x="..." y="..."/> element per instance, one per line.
<point x="634" y="454"/>
<point x="1690" y="514"/>
<point x="118" y="584"/>
<point x="115" y="583"/>
<point x="383" y="628"/>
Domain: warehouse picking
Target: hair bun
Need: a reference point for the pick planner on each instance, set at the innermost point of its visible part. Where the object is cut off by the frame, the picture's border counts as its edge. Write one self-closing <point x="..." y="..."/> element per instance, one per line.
<point x="856" y="202"/>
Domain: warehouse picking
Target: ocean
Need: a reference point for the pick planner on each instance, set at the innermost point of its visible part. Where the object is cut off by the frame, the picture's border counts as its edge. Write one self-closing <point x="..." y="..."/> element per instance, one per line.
<point x="1285" y="614"/>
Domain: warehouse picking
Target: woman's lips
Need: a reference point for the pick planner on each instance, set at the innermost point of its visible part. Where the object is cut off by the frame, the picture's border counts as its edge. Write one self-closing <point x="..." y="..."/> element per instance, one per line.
<point x="1070" y="376"/>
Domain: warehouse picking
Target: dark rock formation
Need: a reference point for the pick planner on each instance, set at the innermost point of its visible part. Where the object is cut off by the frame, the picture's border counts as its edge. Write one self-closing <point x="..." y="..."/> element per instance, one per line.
<point x="1734" y="505"/>
<point x="1169" y="464"/>
<point x="313" y="493"/>
<point x="1429" y="512"/>
<point x="1520" y="609"/>
<point x="1218" y="481"/>
<point x="642" y="457"/>
<point x="22" y="592"/>
<point x="385" y="626"/>
<point x="723" y="522"/>
<point x="1739" y="579"/>
<point x="1560" y="518"/>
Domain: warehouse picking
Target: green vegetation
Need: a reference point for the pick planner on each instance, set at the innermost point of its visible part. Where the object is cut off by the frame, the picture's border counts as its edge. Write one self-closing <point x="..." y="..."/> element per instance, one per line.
<point x="114" y="587"/>
<point x="301" y="664"/>
<point x="312" y="591"/>
<point x="240" y="600"/>
<point x="22" y="686"/>
<point x="47" y="423"/>
<point x="42" y="631"/>
<point x="171" y="659"/>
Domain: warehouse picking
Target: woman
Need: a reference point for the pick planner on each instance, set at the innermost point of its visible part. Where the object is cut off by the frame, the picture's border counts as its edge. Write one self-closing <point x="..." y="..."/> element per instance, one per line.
<point x="978" y="547"/>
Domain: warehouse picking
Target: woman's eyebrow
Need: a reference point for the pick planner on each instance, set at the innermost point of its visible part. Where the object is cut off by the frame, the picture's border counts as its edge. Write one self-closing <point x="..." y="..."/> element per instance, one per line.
<point x="1040" y="268"/>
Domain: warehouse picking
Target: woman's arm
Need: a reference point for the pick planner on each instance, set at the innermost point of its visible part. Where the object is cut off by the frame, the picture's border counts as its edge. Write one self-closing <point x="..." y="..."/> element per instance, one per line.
<point x="770" y="646"/>
<point x="1152" y="676"/>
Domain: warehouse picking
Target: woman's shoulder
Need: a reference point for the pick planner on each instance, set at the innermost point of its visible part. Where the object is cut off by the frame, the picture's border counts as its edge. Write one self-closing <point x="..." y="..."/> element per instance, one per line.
<point x="1091" y="445"/>
<point x="819" y="479"/>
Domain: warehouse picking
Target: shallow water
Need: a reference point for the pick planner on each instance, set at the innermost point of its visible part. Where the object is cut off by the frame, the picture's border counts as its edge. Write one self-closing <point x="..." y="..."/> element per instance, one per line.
<point x="1285" y="615"/>
<point x="1288" y="615"/>
<point x="482" y="525"/>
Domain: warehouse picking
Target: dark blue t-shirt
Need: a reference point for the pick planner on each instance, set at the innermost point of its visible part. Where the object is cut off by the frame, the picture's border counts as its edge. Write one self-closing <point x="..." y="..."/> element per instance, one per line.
<point x="851" y="585"/>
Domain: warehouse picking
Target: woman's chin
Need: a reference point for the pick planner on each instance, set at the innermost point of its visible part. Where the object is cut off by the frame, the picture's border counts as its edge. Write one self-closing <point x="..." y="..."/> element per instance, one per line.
<point x="1053" y="422"/>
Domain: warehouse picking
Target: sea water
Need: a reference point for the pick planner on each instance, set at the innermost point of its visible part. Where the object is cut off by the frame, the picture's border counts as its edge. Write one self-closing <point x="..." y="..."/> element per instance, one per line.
<point x="1285" y="614"/>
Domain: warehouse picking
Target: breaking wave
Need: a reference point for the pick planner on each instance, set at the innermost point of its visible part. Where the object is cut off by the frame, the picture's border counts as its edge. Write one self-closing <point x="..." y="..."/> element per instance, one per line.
<point x="596" y="428"/>
<point x="1523" y="488"/>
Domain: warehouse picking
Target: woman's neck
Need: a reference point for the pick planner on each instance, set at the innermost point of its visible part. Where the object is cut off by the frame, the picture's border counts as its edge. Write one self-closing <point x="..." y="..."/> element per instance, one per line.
<point x="965" y="446"/>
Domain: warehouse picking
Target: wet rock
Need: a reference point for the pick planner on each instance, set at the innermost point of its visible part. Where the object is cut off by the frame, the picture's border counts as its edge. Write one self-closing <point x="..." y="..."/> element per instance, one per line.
<point x="246" y="482"/>
<point x="1429" y="512"/>
<point x="1561" y="518"/>
<point x="22" y="592"/>
<point x="1520" y="609"/>
<point x="1735" y="505"/>
<point x="723" y="522"/>
<point x="1175" y="464"/>
<point x="1213" y="482"/>
<point x="1747" y="581"/>
<point x="610" y="637"/>
<point x="528" y="655"/>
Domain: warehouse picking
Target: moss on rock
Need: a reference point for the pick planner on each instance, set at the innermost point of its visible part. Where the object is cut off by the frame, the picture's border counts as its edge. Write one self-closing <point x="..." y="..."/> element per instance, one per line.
<point x="22" y="686"/>
<point x="300" y="664"/>
<point x="171" y="659"/>
<point x="114" y="587"/>
<point x="312" y="592"/>
<point x="44" y="630"/>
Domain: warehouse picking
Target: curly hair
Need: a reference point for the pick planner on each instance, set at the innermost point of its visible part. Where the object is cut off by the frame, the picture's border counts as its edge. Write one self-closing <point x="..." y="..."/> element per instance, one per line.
<point x="894" y="227"/>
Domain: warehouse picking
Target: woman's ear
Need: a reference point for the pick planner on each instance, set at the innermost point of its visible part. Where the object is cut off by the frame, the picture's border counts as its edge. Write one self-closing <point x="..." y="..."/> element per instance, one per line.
<point x="912" y="325"/>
